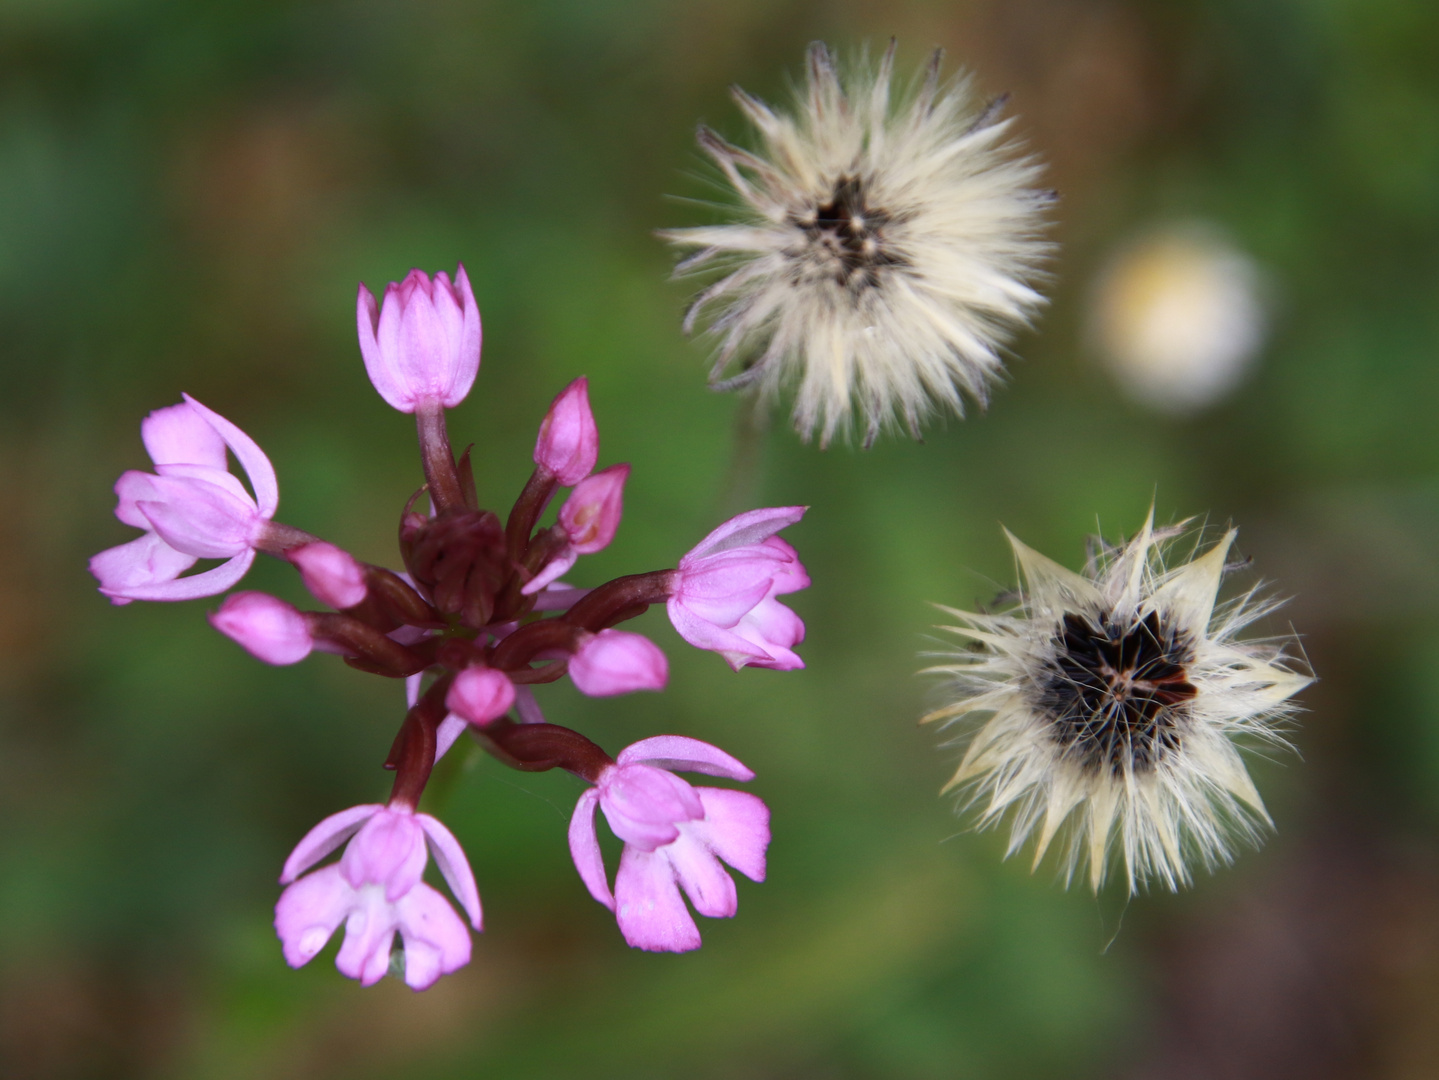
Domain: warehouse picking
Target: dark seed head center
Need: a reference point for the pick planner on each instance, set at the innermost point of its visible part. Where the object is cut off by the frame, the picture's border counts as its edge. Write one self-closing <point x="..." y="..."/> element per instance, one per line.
<point x="1114" y="689"/>
<point x="845" y="235"/>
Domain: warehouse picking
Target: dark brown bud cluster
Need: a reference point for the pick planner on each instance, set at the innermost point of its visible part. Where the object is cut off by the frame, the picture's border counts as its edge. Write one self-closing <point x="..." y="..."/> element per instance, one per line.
<point x="465" y="607"/>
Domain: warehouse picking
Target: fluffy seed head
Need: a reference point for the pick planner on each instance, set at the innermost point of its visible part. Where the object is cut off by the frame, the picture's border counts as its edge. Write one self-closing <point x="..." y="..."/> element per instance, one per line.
<point x="883" y="246"/>
<point x="1107" y="706"/>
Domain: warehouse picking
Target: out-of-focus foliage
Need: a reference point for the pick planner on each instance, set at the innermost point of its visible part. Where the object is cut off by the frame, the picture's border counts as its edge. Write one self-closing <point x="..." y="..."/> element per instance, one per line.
<point x="188" y="195"/>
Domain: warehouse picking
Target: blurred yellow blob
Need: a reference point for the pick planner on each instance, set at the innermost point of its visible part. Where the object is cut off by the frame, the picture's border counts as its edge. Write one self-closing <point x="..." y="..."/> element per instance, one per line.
<point x="1178" y="319"/>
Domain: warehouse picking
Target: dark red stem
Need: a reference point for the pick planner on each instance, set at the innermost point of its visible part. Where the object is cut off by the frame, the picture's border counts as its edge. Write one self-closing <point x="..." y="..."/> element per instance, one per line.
<point x="278" y="538"/>
<point x="440" y="472"/>
<point x="413" y="755"/>
<point x="530" y="640"/>
<point x="604" y="605"/>
<point x="360" y="642"/>
<point x="539" y="747"/>
<point x="527" y="510"/>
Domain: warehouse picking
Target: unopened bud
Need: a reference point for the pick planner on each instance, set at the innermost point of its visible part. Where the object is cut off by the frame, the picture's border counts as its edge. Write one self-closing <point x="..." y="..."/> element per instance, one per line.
<point x="618" y="662"/>
<point x="424" y="345"/>
<point x="480" y="695"/>
<point x="333" y="576"/>
<point x="591" y="514"/>
<point x="269" y="628"/>
<point x="569" y="442"/>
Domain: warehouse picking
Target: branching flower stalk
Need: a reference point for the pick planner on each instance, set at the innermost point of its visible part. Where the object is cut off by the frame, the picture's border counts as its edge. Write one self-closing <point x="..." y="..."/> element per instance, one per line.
<point x="479" y="617"/>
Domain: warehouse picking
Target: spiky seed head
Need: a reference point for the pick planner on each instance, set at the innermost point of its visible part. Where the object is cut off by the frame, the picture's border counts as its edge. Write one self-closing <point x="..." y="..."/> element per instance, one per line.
<point x="883" y="247"/>
<point x="1105" y="708"/>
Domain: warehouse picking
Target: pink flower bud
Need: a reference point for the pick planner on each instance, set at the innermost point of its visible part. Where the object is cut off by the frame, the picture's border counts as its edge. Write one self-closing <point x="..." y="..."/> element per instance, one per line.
<point x="424" y="344"/>
<point x="269" y="628"/>
<point x="592" y="512"/>
<point x="618" y="662"/>
<point x="480" y="695"/>
<point x="333" y="576"/>
<point x="569" y="442"/>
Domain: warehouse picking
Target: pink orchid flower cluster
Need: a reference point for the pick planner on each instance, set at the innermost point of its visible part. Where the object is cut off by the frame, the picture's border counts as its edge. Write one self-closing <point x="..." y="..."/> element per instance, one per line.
<point x="479" y="617"/>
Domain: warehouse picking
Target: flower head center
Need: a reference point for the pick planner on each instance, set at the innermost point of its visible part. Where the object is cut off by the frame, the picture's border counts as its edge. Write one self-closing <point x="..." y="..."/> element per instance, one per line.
<point x="845" y="236"/>
<point x="1113" y="688"/>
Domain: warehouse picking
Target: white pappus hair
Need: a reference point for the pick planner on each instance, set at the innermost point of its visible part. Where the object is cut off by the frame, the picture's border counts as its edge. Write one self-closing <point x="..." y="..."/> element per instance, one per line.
<point x="1106" y="706"/>
<point x="883" y="248"/>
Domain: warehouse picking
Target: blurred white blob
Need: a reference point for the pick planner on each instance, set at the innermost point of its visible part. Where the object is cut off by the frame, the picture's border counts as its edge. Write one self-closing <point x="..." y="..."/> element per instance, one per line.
<point x="1178" y="317"/>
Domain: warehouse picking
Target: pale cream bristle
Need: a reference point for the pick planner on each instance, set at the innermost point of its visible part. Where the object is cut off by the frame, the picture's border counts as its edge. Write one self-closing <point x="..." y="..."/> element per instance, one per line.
<point x="883" y="248"/>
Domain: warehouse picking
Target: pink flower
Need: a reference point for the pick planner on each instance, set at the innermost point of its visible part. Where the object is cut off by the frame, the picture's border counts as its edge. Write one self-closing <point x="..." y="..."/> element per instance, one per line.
<point x="332" y="575"/>
<point x="191" y="508"/>
<point x="424" y="345"/>
<point x="675" y="837"/>
<point x="618" y="662"/>
<point x="272" y="630"/>
<point x="375" y="889"/>
<point x="725" y="589"/>
<point x="589" y="518"/>
<point x="569" y="442"/>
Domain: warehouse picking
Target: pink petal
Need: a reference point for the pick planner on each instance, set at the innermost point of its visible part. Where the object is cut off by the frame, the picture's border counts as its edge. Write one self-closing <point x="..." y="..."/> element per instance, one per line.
<point x="724" y="595"/>
<point x="450" y="729"/>
<point x="178" y="435"/>
<point x="424" y="354"/>
<point x="686" y="755"/>
<point x="199" y="518"/>
<point x="585" y="848"/>
<point x="436" y="941"/>
<point x="703" y="879"/>
<point x="220" y="478"/>
<point x="450" y="858"/>
<point x="382" y="375"/>
<point x="209" y="583"/>
<point x="389" y="375"/>
<point x="648" y="906"/>
<point x="527" y="707"/>
<point x="325" y="838"/>
<point x="774" y="628"/>
<point x="448" y="314"/>
<point x="467" y="366"/>
<point x="132" y="488"/>
<point x="559" y="597"/>
<point x="388" y="850"/>
<point x="552" y="570"/>
<point x="706" y="635"/>
<point x="251" y="458"/>
<point x="735" y="827"/>
<point x="369" y="935"/>
<point x="309" y="911"/>
<point x="792" y="577"/>
<point x="747" y="528"/>
<point x="144" y="562"/>
<point x="643" y="803"/>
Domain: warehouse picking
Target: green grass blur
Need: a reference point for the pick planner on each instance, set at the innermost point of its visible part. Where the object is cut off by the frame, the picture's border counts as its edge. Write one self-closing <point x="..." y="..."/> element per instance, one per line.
<point x="189" y="193"/>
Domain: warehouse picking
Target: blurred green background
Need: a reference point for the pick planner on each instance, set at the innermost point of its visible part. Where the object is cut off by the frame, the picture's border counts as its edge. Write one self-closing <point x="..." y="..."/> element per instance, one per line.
<point x="189" y="192"/>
